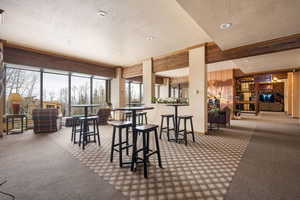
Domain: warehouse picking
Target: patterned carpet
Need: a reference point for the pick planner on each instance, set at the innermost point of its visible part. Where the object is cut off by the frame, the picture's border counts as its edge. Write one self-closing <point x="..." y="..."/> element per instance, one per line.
<point x="201" y="170"/>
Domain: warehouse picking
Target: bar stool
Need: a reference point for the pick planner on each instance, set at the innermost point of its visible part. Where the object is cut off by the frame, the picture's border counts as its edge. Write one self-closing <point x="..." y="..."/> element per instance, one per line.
<point x="168" y="129"/>
<point x="85" y="135"/>
<point x="75" y="128"/>
<point x="145" y="130"/>
<point x="140" y="118"/>
<point x="127" y="116"/>
<point x="120" y="125"/>
<point x="185" y="131"/>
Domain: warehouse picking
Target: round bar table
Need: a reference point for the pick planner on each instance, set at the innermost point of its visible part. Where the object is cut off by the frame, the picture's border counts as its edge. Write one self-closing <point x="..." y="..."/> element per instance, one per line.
<point x="175" y="105"/>
<point x="85" y="124"/>
<point x="133" y="109"/>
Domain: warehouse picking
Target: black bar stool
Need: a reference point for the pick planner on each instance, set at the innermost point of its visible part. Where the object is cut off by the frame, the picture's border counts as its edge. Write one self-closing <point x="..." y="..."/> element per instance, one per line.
<point x="85" y="135"/>
<point x="140" y="118"/>
<point x="145" y="130"/>
<point x="167" y="128"/>
<point x="75" y="128"/>
<point x="185" y="131"/>
<point x="127" y="116"/>
<point x="120" y="125"/>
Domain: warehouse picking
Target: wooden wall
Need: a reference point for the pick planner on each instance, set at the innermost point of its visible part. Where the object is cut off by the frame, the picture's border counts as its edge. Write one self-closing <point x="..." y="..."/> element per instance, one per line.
<point x="1" y="88"/>
<point x="221" y="83"/>
<point x="22" y="56"/>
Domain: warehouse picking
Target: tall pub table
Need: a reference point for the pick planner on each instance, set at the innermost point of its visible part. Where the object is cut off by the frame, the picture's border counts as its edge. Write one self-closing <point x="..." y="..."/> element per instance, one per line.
<point x="176" y="105"/>
<point x="86" y="114"/>
<point x="133" y="110"/>
<point x="11" y="118"/>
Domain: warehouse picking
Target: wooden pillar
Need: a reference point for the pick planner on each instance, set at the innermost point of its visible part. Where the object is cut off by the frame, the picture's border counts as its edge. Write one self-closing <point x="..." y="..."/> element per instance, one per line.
<point x="1" y="89"/>
<point x="198" y="88"/>
<point x="296" y="94"/>
<point x="289" y="93"/>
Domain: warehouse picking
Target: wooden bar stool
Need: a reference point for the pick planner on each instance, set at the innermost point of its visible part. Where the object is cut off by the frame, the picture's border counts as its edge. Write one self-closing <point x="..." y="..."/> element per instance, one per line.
<point x="75" y="128"/>
<point x="85" y="135"/>
<point x="167" y="128"/>
<point x="141" y="117"/>
<point x="145" y="130"/>
<point x="184" y="131"/>
<point x="120" y="125"/>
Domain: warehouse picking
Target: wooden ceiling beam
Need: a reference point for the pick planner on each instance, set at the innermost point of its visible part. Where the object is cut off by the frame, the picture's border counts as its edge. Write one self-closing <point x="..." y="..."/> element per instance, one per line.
<point x="25" y="56"/>
<point x="132" y="71"/>
<point x="215" y="54"/>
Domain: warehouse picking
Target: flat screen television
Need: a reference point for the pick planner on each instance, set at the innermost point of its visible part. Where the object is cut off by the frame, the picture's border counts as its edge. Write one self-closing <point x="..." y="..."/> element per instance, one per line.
<point x="267" y="97"/>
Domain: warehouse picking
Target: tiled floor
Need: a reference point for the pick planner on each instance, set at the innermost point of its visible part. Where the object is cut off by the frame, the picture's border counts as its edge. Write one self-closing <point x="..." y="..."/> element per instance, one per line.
<point x="201" y="170"/>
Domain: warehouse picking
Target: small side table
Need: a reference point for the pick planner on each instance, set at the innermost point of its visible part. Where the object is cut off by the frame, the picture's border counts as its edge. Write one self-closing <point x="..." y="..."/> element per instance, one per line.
<point x="11" y="118"/>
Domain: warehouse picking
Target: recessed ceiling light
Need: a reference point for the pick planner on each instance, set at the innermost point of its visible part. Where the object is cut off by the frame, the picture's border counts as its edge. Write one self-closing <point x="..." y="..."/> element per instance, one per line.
<point x="150" y="38"/>
<point x="102" y="13"/>
<point x="225" y="26"/>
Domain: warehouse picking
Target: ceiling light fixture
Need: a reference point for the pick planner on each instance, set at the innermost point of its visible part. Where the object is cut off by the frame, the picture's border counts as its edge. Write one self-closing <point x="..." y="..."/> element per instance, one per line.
<point x="1" y="16"/>
<point x="102" y="13"/>
<point x="225" y="26"/>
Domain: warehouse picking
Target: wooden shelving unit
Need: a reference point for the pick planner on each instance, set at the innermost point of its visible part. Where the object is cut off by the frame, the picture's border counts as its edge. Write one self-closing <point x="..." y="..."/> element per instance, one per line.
<point x="246" y="95"/>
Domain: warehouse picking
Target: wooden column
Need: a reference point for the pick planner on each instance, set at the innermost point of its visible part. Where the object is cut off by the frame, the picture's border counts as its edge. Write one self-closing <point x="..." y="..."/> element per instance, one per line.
<point x="1" y="89"/>
<point x="296" y="95"/>
<point x="289" y="93"/>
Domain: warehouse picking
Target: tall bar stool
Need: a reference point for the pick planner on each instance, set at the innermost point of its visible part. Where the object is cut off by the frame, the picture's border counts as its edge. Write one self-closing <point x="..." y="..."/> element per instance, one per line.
<point x="167" y="128"/>
<point x="75" y="128"/>
<point x="85" y="135"/>
<point x="141" y="117"/>
<point x="127" y="116"/>
<point x="120" y="146"/>
<point x="147" y="152"/>
<point x="184" y="131"/>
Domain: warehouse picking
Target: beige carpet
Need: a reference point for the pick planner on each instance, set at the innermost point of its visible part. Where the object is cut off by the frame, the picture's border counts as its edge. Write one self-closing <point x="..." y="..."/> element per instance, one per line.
<point x="201" y="170"/>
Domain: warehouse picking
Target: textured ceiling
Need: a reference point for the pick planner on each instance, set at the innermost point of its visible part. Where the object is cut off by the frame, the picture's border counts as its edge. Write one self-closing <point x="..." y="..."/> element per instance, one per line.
<point x="252" y="20"/>
<point x="73" y="28"/>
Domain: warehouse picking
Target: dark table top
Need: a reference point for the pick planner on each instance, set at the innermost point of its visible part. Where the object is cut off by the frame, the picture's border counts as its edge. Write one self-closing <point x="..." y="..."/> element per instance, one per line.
<point x="131" y="108"/>
<point x="15" y="115"/>
<point x="177" y="104"/>
<point x="86" y="105"/>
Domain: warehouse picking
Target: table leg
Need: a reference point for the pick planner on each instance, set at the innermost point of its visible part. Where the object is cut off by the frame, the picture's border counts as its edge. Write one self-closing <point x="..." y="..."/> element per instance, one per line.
<point x="85" y="126"/>
<point x="22" y="124"/>
<point x="176" y="123"/>
<point x="134" y="140"/>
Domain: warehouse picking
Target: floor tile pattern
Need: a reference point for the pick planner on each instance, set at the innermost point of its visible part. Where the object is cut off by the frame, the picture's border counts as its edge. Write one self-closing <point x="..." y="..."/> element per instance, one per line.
<point x="201" y="170"/>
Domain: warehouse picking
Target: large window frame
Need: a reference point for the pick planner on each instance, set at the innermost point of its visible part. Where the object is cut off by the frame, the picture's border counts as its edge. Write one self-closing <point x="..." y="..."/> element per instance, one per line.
<point x="43" y="71"/>
<point x="129" y="90"/>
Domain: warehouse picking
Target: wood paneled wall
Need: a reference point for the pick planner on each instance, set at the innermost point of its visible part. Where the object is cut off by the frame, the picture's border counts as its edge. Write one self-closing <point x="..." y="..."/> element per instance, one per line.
<point x="18" y="55"/>
<point x="221" y="83"/>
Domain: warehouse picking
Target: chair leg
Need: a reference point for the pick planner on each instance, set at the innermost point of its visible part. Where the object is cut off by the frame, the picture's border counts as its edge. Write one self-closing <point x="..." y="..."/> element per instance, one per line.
<point x="120" y="147"/>
<point x="178" y="129"/>
<point x="145" y="156"/>
<point x="127" y="136"/>
<point x="192" y="128"/>
<point x="80" y="133"/>
<point x="185" y="133"/>
<point x="98" y="133"/>
<point x="146" y="119"/>
<point x="94" y="129"/>
<point x="112" y="145"/>
<point x="168" y="129"/>
<point x="161" y="127"/>
<point x="157" y="148"/>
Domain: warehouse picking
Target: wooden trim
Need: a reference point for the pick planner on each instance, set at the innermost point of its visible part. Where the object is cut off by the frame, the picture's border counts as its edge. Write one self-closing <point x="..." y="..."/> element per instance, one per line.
<point x="215" y="54"/>
<point x="175" y="61"/>
<point x="22" y="56"/>
<point x="268" y="72"/>
<point x="133" y="71"/>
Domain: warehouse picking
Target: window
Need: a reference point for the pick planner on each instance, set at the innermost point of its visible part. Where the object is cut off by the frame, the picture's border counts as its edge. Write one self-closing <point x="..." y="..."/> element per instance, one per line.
<point x="133" y="92"/>
<point x="80" y="92"/>
<point x="99" y="92"/>
<point x="56" y="92"/>
<point x="26" y="82"/>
